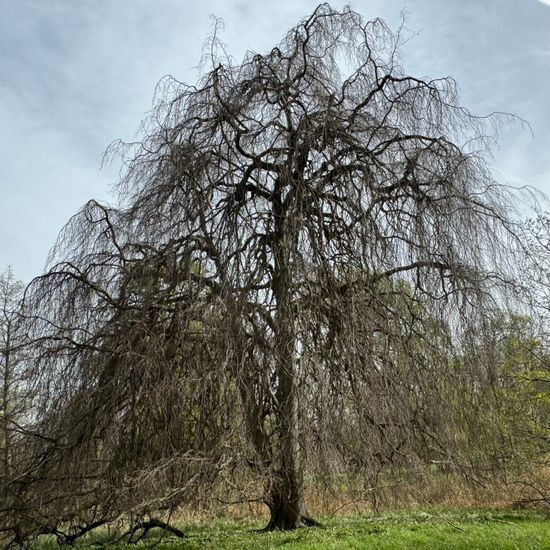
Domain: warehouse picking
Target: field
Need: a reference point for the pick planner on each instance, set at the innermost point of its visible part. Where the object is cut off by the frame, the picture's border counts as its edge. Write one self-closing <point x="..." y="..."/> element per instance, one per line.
<point x="491" y="530"/>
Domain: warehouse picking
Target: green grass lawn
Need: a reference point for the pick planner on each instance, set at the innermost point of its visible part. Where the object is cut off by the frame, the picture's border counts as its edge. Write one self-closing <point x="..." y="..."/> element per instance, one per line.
<point x="461" y="530"/>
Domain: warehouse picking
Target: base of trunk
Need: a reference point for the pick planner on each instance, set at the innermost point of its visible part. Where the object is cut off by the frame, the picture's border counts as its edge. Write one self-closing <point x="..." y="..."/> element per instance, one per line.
<point x="286" y="518"/>
<point x="278" y="524"/>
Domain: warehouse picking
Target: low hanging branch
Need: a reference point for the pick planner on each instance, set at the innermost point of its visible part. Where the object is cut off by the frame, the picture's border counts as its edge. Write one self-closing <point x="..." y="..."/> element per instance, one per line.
<point x="146" y="526"/>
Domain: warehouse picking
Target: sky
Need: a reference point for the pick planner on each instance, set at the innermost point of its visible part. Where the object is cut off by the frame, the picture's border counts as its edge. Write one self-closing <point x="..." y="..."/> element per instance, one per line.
<point x="76" y="75"/>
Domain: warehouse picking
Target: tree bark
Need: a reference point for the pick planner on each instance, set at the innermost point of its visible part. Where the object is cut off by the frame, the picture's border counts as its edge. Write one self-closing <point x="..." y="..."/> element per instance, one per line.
<point x="285" y="501"/>
<point x="285" y="494"/>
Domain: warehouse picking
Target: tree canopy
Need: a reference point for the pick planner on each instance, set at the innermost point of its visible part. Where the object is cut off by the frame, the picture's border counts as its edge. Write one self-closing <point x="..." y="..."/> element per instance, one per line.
<point x="297" y="236"/>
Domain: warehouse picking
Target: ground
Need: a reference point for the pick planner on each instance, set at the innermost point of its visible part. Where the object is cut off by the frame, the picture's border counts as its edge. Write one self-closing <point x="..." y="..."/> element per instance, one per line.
<point x="490" y="530"/>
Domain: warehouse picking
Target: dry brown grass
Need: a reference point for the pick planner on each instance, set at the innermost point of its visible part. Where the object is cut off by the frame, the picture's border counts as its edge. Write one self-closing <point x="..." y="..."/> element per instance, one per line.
<point x="434" y="490"/>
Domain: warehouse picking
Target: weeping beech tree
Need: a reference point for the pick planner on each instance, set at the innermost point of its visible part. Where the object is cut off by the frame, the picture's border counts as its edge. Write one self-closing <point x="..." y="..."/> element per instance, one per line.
<point x="297" y="238"/>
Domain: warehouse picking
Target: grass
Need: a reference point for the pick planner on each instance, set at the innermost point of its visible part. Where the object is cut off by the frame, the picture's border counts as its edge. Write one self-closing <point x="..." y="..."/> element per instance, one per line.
<point x="490" y="530"/>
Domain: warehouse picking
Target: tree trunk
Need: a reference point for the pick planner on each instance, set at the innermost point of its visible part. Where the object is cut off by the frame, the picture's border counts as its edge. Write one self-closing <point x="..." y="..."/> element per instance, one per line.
<point x="285" y="498"/>
<point x="285" y="494"/>
<point x="285" y="501"/>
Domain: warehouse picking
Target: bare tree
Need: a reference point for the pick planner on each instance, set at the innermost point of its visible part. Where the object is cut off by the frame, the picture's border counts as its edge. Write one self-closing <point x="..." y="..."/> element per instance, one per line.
<point x="11" y="403"/>
<point x="290" y="231"/>
<point x="14" y="404"/>
<point x="304" y="181"/>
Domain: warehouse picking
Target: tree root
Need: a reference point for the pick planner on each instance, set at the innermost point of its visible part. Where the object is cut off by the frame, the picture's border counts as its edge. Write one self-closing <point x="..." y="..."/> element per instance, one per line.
<point x="307" y="521"/>
<point x="310" y="522"/>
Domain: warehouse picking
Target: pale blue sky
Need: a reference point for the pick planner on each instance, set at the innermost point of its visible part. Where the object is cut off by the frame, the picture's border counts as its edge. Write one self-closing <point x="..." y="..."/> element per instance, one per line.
<point x="77" y="74"/>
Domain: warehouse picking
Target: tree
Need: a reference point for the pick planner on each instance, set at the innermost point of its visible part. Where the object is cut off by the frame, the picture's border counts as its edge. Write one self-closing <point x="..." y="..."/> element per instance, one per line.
<point x="502" y="390"/>
<point x="12" y="400"/>
<point x="320" y="209"/>
<point x="535" y="271"/>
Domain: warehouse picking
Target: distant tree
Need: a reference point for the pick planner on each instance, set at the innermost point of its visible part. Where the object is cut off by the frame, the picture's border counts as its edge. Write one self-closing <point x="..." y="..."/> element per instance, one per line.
<point x="12" y="402"/>
<point x="308" y="216"/>
<point x="502" y="391"/>
<point x="535" y="272"/>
